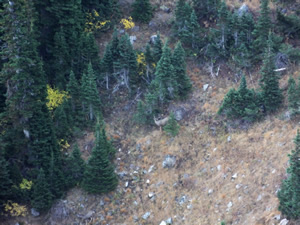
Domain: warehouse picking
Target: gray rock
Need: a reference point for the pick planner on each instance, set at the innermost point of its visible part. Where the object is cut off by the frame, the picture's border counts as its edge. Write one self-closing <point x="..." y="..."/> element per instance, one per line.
<point x="179" y="113"/>
<point x="219" y="167"/>
<point x="59" y="211"/>
<point x="122" y="31"/>
<point x="135" y="218"/>
<point x="165" y="9"/>
<point x="238" y="186"/>
<point x="151" y="169"/>
<point x="277" y="217"/>
<point x="153" y="39"/>
<point x="152" y="25"/>
<point x="17" y="223"/>
<point x="146" y="215"/>
<point x="88" y="215"/>
<point x="102" y="202"/>
<point x="281" y="60"/>
<point x="205" y="86"/>
<point x="229" y="139"/>
<point x="151" y="194"/>
<point x="163" y="223"/>
<point x="234" y="176"/>
<point x="189" y="206"/>
<point x="284" y="222"/>
<point x="34" y="212"/>
<point x="181" y="200"/>
<point x="210" y="191"/>
<point x="229" y="205"/>
<point x="259" y="198"/>
<point x="169" y="221"/>
<point x="169" y="161"/>
<point x="136" y="29"/>
<point x="132" y="39"/>
<point x="244" y="9"/>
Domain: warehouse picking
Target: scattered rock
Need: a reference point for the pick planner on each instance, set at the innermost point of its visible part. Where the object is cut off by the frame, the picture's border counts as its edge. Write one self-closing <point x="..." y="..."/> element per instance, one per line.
<point x="169" y="161"/>
<point x="219" y="167"/>
<point x="34" y="212"/>
<point x="151" y="169"/>
<point x="17" y="223"/>
<point x="244" y="9"/>
<point x="210" y="191"/>
<point x="284" y="222"/>
<point x="259" y="198"/>
<point x="205" y="86"/>
<point x="151" y="194"/>
<point x="59" y="211"/>
<point x="179" y="113"/>
<point x="136" y="29"/>
<point x="181" y="200"/>
<point x="189" y="206"/>
<point x="169" y="221"/>
<point x="163" y="223"/>
<point x="277" y="217"/>
<point x="88" y="215"/>
<point x="132" y="39"/>
<point x="102" y="202"/>
<point x="165" y="9"/>
<point x="238" y="186"/>
<point x="146" y="215"/>
<point x="148" y="181"/>
<point x="229" y="205"/>
<point x="153" y="39"/>
<point x="122" y="31"/>
<point x="234" y="176"/>
<point x="281" y="60"/>
<point x="126" y="184"/>
<point x="135" y="219"/>
<point x="152" y="25"/>
<point x="229" y="139"/>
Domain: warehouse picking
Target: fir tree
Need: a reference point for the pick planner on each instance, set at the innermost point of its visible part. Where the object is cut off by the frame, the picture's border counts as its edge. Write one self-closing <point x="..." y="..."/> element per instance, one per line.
<point x="206" y="9"/>
<point x="182" y="17"/>
<point x="192" y="35"/>
<point x="55" y="176"/>
<point x="61" y="121"/>
<point x="42" y="198"/>
<point x="289" y="194"/>
<point x="142" y="11"/>
<point x="75" y="167"/>
<point x="157" y="49"/>
<point x="107" y="64"/>
<point x="271" y="93"/>
<point x="164" y="85"/>
<point x="149" y="64"/>
<point x="261" y="31"/>
<point x="179" y="66"/>
<point x="99" y="176"/>
<point x="107" y="9"/>
<point x="5" y="181"/>
<point x="141" y="116"/>
<point x="172" y="127"/>
<point x="293" y="97"/>
<point x="90" y="95"/>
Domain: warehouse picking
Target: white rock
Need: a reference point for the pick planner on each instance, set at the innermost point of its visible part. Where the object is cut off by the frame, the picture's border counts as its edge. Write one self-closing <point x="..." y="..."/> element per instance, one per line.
<point x="210" y="191"/>
<point x="163" y="223"/>
<point x="205" y="86"/>
<point x="126" y="184"/>
<point x="234" y="176"/>
<point x="219" y="167"/>
<point x="284" y="222"/>
<point x="229" y="139"/>
<point x="215" y="149"/>
<point x="34" y="212"/>
<point x="148" y="181"/>
<point x="229" y="205"/>
<point x="132" y="39"/>
<point x="169" y="221"/>
<point x="277" y="217"/>
<point x="259" y="198"/>
<point x="151" y="169"/>
<point x="151" y="194"/>
<point x="146" y="215"/>
<point x="189" y="206"/>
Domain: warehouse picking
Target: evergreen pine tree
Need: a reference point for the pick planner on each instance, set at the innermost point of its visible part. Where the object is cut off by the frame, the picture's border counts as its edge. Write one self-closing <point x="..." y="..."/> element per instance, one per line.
<point x="140" y="116"/>
<point x="206" y="9"/>
<point x="149" y="64"/>
<point x="55" y="176"/>
<point x="108" y="66"/>
<point x="179" y="66"/>
<point x="142" y="11"/>
<point x="182" y="17"/>
<point x="99" y="176"/>
<point x="42" y="198"/>
<point x="61" y="122"/>
<point x="271" y="93"/>
<point x="5" y="181"/>
<point x="164" y="85"/>
<point x="89" y="94"/>
<point x="261" y="31"/>
<point x="172" y="127"/>
<point x="192" y="35"/>
<point x="293" y="100"/>
<point x="107" y="9"/>
<point x="157" y="49"/>
<point x="289" y="194"/>
<point x="75" y="167"/>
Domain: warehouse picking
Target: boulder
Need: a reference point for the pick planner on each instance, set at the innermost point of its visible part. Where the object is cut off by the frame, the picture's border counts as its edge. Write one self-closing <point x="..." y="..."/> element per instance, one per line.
<point x="163" y="223"/>
<point x="59" y="211"/>
<point x="205" y="86"/>
<point x="244" y="9"/>
<point x="179" y="113"/>
<point x="284" y="222"/>
<point x="165" y="9"/>
<point x="153" y="39"/>
<point x="132" y="39"/>
<point x="34" y="212"/>
<point x="169" y="161"/>
<point x="169" y="221"/>
<point x="146" y="215"/>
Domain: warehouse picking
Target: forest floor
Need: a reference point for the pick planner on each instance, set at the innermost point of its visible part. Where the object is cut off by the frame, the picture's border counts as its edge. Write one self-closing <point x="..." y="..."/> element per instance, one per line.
<point x="220" y="173"/>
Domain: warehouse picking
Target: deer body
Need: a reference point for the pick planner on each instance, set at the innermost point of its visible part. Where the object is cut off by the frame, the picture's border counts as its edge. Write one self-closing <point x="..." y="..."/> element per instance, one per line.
<point x="161" y="122"/>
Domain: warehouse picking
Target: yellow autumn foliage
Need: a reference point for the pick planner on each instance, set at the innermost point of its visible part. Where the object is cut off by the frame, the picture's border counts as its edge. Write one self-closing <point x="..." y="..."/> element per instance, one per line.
<point x="63" y="144"/>
<point x="127" y="23"/>
<point x="26" y="184"/>
<point x="14" y="209"/>
<point x="93" y="23"/>
<point x="141" y="61"/>
<point x="55" y="97"/>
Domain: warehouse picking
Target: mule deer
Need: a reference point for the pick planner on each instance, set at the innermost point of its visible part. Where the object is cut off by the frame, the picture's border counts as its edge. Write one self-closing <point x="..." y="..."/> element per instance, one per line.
<point x="161" y="122"/>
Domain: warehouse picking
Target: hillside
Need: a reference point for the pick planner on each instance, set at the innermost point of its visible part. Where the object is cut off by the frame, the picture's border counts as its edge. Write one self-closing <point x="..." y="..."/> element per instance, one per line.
<point x="214" y="170"/>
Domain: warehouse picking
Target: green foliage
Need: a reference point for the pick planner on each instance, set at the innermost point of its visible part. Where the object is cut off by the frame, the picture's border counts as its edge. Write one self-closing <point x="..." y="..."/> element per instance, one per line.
<point x="99" y="176"/>
<point x="289" y="25"/>
<point x="289" y="194"/>
<point x="241" y="104"/>
<point x="107" y="9"/>
<point x="42" y="198"/>
<point x="271" y="93"/>
<point x="182" y="18"/>
<point x="172" y="127"/>
<point x="90" y="98"/>
<point x="142" y="116"/>
<point x="206" y="9"/>
<point x="142" y="11"/>
<point x="5" y="181"/>
<point x="157" y="49"/>
<point x="180" y="75"/>
<point x="75" y="167"/>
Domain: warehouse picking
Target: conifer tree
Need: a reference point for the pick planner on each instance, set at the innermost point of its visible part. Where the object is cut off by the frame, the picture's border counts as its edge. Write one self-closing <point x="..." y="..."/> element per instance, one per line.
<point x="164" y="85"/>
<point x="55" y="176"/>
<point x="107" y="9"/>
<point x="271" y="93"/>
<point x="179" y="66"/>
<point x="108" y="66"/>
<point x="75" y="167"/>
<point x="99" y="176"/>
<point x="182" y="18"/>
<point x="149" y="64"/>
<point x="261" y="31"/>
<point x="206" y="9"/>
<point x="172" y="127"/>
<point x="289" y="194"/>
<point x="293" y="98"/>
<point x="61" y="121"/>
<point x="5" y="181"/>
<point x="42" y="198"/>
<point x="140" y="116"/>
<point x="90" y="95"/>
<point x="157" y="49"/>
<point x="192" y="35"/>
<point x="142" y="11"/>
